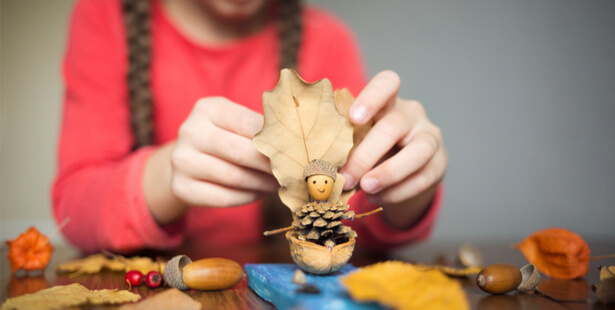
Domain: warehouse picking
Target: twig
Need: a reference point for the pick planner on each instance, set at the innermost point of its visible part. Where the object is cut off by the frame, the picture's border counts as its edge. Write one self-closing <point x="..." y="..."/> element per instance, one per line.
<point x="280" y="230"/>
<point x="358" y="216"/>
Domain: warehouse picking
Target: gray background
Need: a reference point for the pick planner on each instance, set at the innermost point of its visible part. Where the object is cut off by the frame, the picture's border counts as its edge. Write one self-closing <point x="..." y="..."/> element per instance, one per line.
<point x="523" y="91"/>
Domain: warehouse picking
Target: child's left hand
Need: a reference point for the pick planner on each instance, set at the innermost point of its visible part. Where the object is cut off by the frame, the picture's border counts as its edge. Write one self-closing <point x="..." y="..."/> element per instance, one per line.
<point x="402" y="156"/>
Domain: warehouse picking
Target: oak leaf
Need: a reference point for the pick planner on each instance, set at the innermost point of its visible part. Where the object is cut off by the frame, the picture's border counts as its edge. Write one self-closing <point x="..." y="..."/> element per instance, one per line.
<point x="605" y="290"/>
<point x="97" y="262"/>
<point x="404" y="286"/>
<point x="557" y="252"/>
<point x="73" y="295"/>
<point x="302" y="124"/>
<point x="169" y="299"/>
<point x="29" y="251"/>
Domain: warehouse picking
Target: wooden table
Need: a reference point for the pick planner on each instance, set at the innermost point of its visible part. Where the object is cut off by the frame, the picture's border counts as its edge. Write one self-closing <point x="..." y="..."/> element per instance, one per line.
<point x="242" y="297"/>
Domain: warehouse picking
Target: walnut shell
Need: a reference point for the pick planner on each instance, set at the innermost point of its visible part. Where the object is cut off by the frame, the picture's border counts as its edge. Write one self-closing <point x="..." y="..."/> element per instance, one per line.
<point x="319" y="259"/>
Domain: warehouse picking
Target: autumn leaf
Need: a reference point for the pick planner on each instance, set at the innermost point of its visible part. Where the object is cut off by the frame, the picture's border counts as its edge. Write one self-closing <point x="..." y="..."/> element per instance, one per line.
<point x="605" y="290"/>
<point x="64" y="296"/>
<point x="403" y="286"/>
<point x="452" y="271"/>
<point x="97" y="262"/>
<point x="169" y="299"/>
<point x="30" y="251"/>
<point x="302" y="124"/>
<point x="557" y="252"/>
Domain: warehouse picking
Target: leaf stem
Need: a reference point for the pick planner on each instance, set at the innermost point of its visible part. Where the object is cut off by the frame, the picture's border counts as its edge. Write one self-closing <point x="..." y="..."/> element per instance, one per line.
<point x="602" y="257"/>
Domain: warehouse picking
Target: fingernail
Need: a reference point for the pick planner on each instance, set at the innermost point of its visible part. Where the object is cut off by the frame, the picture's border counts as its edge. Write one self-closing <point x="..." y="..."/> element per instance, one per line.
<point x="349" y="183"/>
<point x="370" y="185"/>
<point x="358" y="113"/>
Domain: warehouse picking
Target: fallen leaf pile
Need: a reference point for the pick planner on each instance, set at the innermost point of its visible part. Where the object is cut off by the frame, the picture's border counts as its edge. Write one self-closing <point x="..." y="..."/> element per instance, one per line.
<point x="30" y="251"/>
<point x="404" y="286"/>
<point x="557" y="252"/>
<point x="169" y="299"/>
<point x="605" y="290"/>
<point x="73" y="295"/>
<point x="302" y="124"/>
<point x="97" y="262"/>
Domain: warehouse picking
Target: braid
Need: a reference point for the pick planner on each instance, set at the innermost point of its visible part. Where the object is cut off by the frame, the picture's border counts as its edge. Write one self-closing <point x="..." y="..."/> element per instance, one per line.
<point x="137" y="24"/>
<point x="290" y="26"/>
<point x="138" y="34"/>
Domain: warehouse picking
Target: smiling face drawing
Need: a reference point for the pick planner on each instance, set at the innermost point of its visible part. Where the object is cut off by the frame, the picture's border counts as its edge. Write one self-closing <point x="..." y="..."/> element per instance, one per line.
<point x="320" y="186"/>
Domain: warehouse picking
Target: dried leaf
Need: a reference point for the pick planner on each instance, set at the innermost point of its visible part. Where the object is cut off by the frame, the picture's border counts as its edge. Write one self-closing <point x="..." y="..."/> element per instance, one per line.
<point x="96" y="262"/>
<point x="73" y="295"/>
<point x="302" y="124"/>
<point x="169" y="299"/>
<point x="607" y="272"/>
<point x="403" y="286"/>
<point x="605" y="290"/>
<point x="557" y="252"/>
<point x="30" y="251"/>
<point x="451" y="271"/>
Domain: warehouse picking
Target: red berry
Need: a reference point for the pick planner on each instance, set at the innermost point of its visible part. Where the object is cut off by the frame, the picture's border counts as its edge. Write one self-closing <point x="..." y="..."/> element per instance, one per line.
<point x="133" y="278"/>
<point x="153" y="279"/>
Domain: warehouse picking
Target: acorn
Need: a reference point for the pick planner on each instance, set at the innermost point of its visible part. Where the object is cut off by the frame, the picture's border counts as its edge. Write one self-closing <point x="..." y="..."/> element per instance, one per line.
<point x="203" y="274"/>
<point x="499" y="278"/>
<point x="529" y="278"/>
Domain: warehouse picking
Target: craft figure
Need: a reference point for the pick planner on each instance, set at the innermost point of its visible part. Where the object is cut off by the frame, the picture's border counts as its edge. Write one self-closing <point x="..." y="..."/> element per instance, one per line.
<point x="307" y="139"/>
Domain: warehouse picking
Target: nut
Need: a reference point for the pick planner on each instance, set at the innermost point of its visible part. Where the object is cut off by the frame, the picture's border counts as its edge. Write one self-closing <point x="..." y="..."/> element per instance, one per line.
<point x="212" y="274"/>
<point x="499" y="278"/>
<point x="318" y="259"/>
<point x="529" y="278"/>
<point x="173" y="272"/>
<point x="469" y="256"/>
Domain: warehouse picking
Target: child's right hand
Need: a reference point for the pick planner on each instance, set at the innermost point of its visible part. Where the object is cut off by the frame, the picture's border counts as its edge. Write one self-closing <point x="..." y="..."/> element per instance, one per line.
<point x="212" y="163"/>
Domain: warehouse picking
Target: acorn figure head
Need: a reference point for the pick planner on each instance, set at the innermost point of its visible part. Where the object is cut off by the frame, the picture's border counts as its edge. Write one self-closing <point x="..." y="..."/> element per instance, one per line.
<point x="320" y="177"/>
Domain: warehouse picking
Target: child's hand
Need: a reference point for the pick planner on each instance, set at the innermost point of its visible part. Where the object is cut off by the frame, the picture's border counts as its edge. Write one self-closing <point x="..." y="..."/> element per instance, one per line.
<point x="214" y="162"/>
<point x="402" y="156"/>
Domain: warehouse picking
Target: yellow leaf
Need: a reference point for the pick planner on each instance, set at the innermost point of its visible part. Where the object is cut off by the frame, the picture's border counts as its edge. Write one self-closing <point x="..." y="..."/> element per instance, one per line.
<point x="169" y="299"/>
<point x="403" y="286"/>
<point x="73" y="295"/>
<point x="96" y="262"/>
<point x="451" y="271"/>
<point x="302" y="124"/>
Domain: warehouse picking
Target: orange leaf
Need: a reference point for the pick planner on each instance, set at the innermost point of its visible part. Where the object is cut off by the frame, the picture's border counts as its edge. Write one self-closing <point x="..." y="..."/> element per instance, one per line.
<point x="30" y="251"/>
<point x="557" y="252"/>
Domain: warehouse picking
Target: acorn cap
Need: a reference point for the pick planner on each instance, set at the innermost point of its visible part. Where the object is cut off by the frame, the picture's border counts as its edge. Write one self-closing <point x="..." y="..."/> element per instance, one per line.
<point x="319" y="167"/>
<point x="173" y="272"/>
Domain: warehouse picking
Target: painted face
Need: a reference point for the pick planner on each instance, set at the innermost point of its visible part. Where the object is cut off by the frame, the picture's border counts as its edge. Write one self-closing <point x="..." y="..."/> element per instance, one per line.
<point x="320" y="186"/>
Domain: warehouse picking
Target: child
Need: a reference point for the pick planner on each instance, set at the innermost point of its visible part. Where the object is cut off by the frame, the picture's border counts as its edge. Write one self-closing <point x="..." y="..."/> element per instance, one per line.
<point x="163" y="98"/>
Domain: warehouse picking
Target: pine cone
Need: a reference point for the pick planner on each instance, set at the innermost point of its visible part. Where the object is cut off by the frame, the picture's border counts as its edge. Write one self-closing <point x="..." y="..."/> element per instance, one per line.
<point x="320" y="222"/>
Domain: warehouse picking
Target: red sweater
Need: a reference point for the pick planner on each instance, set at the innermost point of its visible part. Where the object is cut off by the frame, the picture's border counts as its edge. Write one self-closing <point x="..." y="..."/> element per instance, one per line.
<point x="99" y="180"/>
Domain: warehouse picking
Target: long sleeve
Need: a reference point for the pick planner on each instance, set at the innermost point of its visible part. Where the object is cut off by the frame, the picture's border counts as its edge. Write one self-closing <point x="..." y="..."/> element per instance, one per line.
<point x="98" y="184"/>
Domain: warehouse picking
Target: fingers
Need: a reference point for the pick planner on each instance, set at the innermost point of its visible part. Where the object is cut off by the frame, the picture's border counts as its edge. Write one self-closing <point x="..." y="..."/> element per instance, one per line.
<point x="380" y="92"/>
<point x="385" y="134"/>
<point x="233" y="117"/>
<point x="425" y="178"/>
<point x="209" y="194"/>
<point x="420" y="151"/>
<point x="205" y="168"/>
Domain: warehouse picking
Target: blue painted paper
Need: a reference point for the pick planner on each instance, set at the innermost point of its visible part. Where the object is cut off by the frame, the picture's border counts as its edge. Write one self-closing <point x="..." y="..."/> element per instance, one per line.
<point x="272" y="282"/>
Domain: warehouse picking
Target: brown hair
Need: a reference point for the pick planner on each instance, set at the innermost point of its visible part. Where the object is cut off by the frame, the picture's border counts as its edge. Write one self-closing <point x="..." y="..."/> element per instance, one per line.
<point x="137" y="22"/>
